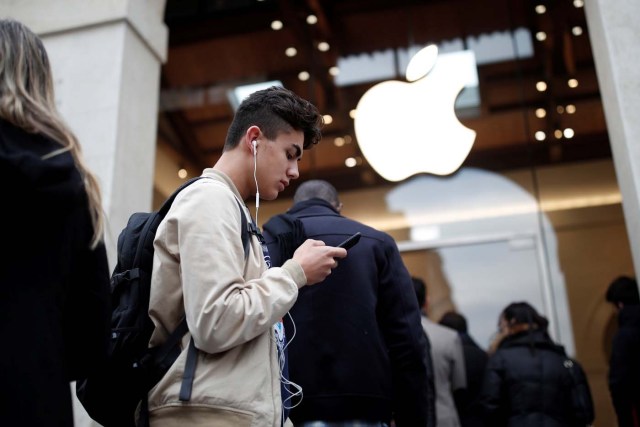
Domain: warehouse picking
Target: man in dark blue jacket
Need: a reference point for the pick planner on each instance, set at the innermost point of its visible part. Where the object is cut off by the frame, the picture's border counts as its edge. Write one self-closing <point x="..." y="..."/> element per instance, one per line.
<point x="624" y="366"/>
<point x="359" y="352"/>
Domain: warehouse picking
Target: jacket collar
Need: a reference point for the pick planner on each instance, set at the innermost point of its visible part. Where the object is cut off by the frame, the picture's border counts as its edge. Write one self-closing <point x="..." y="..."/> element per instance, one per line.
<point x="312" y="207"/>
<point x="536" y="338"/>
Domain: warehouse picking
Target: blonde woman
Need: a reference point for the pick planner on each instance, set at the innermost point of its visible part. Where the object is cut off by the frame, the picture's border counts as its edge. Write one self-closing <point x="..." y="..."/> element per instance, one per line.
<point x="53" y="274"/>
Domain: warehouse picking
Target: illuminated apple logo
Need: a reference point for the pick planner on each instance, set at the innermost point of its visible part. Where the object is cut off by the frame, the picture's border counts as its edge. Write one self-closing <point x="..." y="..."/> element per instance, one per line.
<point x="407" y="128"/>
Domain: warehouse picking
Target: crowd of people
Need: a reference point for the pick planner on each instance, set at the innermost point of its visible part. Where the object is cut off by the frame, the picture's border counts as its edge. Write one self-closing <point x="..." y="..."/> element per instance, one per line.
<point x="299" y="331"/>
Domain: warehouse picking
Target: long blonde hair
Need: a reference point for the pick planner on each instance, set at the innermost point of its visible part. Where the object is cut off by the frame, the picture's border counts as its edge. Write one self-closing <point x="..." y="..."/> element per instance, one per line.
<point x="27" y="101"/>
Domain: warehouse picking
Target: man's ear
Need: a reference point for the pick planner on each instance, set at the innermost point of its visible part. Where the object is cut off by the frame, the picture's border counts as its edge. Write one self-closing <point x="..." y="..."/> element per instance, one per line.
<point x="252" y="134"/>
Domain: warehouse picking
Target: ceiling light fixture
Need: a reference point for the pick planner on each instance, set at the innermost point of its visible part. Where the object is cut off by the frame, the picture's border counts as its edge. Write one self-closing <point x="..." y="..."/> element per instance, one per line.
<point x="557" y="133"/>
<point x="540" y="9"/>
<point x="323" y="46"/>
<point x="303" y="76"/>
<point x="572" y="83"/>
<point x="541" y="86"/>
<point x="327" y="119"/>
<point x="334" y="71"/>
<point x="577" y="30"/>
<point x="291" y="52"/>
<point x="571" y="109"/>
<point x="541" y="113"/>
<point x="540" y="135"/>
<point x="350" y="162"/>
<point x="312" y="19"/>
<point x="569" y="133"/>
<point x="182" y="173"/>
<point x="560" y="109"/>
<point x="339" y="141"/>
<point x="578" y="3"/>
<point x="277" y="25"/>
<point x="541" y="36"/>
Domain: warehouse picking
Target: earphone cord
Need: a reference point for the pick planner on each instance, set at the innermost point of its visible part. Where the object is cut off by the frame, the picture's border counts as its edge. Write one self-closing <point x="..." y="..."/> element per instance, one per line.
<point x="255" y="178"/>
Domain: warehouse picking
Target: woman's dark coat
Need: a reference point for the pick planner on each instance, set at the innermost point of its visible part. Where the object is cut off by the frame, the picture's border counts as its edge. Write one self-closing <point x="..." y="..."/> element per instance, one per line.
<point x="53" y="288"/>
<point x="527" y="384"/>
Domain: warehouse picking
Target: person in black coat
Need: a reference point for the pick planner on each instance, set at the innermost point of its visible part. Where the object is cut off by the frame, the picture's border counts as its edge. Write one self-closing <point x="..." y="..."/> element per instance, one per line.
<point x="54" y="278"/>
<point x="359" y="350"/>
<point x="529" y="380"/>
<point x="624" y="365"/>
<point x="475" y="361"/>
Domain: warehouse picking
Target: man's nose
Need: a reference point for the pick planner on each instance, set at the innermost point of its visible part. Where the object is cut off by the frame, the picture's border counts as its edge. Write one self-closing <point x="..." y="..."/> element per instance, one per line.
<point x="293" y="171"/>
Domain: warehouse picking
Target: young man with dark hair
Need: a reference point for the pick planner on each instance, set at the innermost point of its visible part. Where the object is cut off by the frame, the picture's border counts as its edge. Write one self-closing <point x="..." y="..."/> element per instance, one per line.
<point x="624" y="366"/>
<point x="359" y="351"/>
<point x="232" y="302"/>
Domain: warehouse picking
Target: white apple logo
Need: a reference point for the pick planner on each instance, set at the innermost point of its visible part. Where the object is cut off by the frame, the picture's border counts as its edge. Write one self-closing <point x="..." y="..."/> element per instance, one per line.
<point x="407" y="128"/>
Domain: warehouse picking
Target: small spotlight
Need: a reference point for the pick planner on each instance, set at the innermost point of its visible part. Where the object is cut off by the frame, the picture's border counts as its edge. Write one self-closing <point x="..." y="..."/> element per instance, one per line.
<point x="182" y="173"/>
<point x="327" y="119"/>
<point x="540" y="9"/>
<point x="303" y="76"/>
<point x="334" y="71"/>
<point x="557" y="133"/>
<point x="560" y="109"/>
<point x="350" y="162"/>
<point x="347" y="139"/>
<point x="339" y="141"/>
<point x="540" y="135"/>
<point x="323" y="46"/>
<point x="577" y="30"/>
<point x="541" y="86"/>
<point x="541" y="36"/>
<point x="541" y="113"/>
<point x="352" y="113"/>
<point x="578" y="3"/>
<point x="571" y="109"/>
<point x="572" y="83"/>
<point x="291" y="52"/>
<point x="312" y="19"/>
<point x="569" y="133"/>
<point x="276" y="25"/>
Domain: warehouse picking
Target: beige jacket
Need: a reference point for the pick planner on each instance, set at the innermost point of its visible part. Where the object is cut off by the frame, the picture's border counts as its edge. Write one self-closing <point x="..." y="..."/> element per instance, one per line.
<point x="231" y="307"/>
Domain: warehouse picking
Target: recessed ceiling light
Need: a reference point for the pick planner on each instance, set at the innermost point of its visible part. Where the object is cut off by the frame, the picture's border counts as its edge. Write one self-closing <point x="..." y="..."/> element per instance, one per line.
<point x="350" y="162"/>
<point x="339" y="141"/>
<point x="560" y="109"/>
<point x="572" y="83"/>
<point x="541" y="36"/>
<point x="540" y="9"/>
<point x="578" y="3"/>
<point x="352" y="113"/>
<point x="334" y="71"/>
<point x="557" y="133"/>
<point x="327" y="119"/>
<point x="182" y="173"/>
<point x="541" y="86"/>
<point x="569" y="133"/>
<point x="540" y="135"/>
<point x="577" y="30"/>
<point x="291" y="52"/>
<point x="276" y="25"/>
<point x="541" y="113"/>
<point x="323" y="46"/>
<point x="312" y="19"/>
<point x="571" y="109"/>
<point x="304" y="75"/>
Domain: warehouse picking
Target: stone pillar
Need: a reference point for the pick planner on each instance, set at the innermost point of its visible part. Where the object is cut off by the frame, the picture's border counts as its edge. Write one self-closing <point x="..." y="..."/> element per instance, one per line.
<point x="614" y="30"/>
<point x="106" y="58"/>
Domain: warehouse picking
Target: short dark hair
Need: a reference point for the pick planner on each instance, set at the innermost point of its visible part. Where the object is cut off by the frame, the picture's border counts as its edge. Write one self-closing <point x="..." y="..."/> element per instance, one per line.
<point x="524" y="313"/>
<point x="455" y="321"/>
<point x="623" y="289"/>
<point x="275" y="110"/>
<point x="317" y="188"/>
<point x="420" y="287"/>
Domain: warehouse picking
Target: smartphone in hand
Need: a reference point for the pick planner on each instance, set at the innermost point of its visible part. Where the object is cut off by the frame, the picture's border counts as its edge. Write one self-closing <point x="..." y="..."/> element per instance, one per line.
<point x="347" y="244"/>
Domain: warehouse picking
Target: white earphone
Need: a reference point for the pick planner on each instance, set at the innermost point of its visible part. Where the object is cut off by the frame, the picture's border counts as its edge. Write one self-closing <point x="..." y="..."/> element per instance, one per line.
<point x="255" y="167"/>
<point x="255" y="145"/>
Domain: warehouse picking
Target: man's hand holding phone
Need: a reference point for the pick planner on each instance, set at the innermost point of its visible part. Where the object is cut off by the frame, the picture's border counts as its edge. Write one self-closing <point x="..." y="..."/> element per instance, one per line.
<point x="317" y="259"/>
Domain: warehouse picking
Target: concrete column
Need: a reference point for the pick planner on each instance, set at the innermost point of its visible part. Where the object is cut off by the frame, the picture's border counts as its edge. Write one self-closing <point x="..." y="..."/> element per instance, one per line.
<point x="106" y="57"/>
<point x="614" y="30"/>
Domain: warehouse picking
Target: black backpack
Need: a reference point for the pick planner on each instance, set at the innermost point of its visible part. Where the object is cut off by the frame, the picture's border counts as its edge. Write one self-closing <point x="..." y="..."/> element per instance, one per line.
<point x="112" y="395"/>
